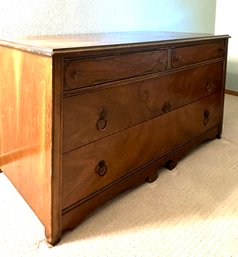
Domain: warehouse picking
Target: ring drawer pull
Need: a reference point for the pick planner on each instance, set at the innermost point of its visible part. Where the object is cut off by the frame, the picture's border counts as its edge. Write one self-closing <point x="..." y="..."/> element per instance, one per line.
<point x="167" y="106"/>
<point x="206" y="117"/>
<point x="102" y="122"/>
<point x="178" y="58"/>
<point x="101" y="168"/>
<point x="77" y="75"/>
<point x="210" y="87"/>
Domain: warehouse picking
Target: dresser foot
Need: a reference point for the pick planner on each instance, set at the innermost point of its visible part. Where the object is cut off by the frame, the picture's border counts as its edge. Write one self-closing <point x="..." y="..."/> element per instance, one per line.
<point x="53" y="237"/>
<point x="52" y="244"/>
<point x="152" y="177"/>
<point x="1" y="171"/>
<point x="170" y="164"/>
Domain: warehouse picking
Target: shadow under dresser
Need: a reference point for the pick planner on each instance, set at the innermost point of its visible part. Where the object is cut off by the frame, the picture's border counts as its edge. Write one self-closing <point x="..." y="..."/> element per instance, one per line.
<point x="85" y="117"/>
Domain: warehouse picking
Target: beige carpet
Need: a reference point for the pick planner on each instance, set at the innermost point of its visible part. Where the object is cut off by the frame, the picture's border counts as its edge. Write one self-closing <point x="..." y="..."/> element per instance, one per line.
<point x="191" y="211"/>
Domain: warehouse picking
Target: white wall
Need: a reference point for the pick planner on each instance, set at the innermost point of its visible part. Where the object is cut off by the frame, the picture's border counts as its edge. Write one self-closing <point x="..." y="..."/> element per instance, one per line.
<point x="37" y="17"/>
<point x="226" y="23"/>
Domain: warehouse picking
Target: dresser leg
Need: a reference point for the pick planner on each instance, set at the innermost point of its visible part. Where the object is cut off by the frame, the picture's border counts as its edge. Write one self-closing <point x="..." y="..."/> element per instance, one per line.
<point x="170" y="164"/>
<point x="52" y="241"/>
<point x="218" y="136"/>
<point x="52" y="244"/>
<point x="1" y="171"/>
<point x="152" y="177"/>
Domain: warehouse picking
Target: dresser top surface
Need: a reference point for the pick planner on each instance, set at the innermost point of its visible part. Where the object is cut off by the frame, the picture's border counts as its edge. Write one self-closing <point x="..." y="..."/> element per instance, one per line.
<point x="52" y="44"/>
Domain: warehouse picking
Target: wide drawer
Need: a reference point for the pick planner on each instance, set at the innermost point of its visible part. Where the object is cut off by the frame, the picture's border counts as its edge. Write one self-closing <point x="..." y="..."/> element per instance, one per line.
<point x="194" y="54"/>
<point x="89" y="117"/>
<point x="96" y="165"/>
<point x="86" y="72"/>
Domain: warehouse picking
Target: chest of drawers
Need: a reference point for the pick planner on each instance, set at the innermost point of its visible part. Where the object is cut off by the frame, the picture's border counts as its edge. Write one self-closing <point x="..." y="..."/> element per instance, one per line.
<point x="86" y="117"/>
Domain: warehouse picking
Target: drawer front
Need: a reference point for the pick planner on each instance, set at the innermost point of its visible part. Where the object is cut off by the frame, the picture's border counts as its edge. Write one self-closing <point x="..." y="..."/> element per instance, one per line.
<point x="89" y="117"/>
<point x="195" y="54"/>
<point x="96" y="165"/>
<point x="86" y="72"/>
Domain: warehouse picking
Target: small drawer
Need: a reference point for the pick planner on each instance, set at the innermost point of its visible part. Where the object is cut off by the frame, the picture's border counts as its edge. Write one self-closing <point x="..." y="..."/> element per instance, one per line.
<point x="198" y="53"/>
<point x="96" y="165"/>
<point x="87" y="72"/>
<point x="91" y="116"/>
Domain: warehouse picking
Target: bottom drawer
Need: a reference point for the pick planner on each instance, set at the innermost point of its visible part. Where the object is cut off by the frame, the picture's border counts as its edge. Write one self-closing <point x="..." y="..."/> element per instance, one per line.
<point x="97" y="164"/>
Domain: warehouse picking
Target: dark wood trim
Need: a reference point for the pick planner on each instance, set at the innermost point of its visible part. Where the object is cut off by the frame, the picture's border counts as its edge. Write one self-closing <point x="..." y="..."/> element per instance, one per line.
<point x="231" y="92"/>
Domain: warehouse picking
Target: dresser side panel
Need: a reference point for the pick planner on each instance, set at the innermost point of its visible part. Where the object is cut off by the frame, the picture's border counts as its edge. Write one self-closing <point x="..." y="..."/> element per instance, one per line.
<point x="223" y="87"/>
<point x="26" y="127"/>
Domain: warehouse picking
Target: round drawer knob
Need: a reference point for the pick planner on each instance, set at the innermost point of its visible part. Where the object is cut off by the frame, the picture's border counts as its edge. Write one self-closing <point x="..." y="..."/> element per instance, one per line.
<point x="167" y="106"/>
<point x="178" y="58"/>
<point x="77" y="75"/>
<point x="101" y="168"/>
<point x="209" y="87"/>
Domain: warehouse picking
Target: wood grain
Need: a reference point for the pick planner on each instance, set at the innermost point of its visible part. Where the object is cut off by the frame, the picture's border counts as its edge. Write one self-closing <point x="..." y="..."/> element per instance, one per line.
<point x="132" y="103"/>
<point x="85" y="72"/>
<point x="77" y="213"/>
<point x="193" y="54"/>
<point x="26" y="127"/>
<point x="144" y="142"/>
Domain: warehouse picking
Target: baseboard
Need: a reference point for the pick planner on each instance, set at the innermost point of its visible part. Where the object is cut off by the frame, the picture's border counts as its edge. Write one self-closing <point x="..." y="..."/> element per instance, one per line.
<point x="231" y="92"/>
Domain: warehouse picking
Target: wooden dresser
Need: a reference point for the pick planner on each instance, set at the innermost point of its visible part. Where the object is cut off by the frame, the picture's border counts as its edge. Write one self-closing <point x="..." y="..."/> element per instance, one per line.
<point x="83" y="118"/>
